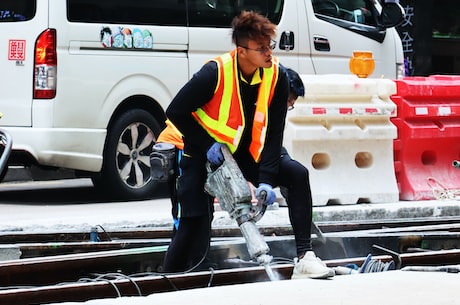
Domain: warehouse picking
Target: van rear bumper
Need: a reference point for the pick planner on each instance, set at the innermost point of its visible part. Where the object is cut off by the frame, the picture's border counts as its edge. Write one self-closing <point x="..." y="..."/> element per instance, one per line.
<point x="73" y="148"/>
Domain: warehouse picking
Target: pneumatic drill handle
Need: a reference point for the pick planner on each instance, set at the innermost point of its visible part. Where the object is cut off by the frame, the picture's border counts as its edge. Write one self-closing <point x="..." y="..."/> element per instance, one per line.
<point x="259" y="210"/>
<point x="262" y="197"/>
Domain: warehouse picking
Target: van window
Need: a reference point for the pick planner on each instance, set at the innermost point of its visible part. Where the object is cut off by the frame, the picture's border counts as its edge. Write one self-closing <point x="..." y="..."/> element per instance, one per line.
<point x="147" y="12"/>
<point x="359" y="16"/>
<point x="17" y="10"/>
<point x="219" y="13"/>
<point x="357" y="11"/>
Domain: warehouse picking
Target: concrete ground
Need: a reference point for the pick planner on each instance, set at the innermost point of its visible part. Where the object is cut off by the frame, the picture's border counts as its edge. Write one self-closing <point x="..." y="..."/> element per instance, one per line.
<point x="156" y="212"/>
<point x="392" y="210"/>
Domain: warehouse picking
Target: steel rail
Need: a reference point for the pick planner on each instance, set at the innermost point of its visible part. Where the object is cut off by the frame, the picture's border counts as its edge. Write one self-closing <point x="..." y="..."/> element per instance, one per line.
<point x="107" y="288"/>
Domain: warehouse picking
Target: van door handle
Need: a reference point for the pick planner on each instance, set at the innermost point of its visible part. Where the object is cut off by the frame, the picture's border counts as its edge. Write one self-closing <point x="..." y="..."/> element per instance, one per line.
<point x="321" y="43"/>
<point x="287" y="41"/>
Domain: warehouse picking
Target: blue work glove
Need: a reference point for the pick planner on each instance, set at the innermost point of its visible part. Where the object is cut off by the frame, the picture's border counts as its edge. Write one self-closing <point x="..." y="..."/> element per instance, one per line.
<point x="266" y="189"/>
<point x="214" y="154"/>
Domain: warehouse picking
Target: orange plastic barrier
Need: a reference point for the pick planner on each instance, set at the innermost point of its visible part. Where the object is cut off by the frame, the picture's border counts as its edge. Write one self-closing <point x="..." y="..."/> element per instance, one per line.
<point x="428" y="122"/>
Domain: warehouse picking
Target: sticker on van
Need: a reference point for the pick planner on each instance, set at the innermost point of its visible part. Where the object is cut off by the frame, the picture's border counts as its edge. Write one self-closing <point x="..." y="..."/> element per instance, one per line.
<point x="17" y="49"/>
<point x="118" y="37"/>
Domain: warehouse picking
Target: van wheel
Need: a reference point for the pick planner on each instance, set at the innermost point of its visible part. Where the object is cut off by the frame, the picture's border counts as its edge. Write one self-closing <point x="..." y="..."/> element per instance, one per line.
<point x="3" y="173"/>
<point x="126" y="166"/>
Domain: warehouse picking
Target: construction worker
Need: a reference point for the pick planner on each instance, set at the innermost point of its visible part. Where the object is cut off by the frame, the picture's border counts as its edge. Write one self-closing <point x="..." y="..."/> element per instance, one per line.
<point x="170" y="134"/>
<point x="238" y="99"/>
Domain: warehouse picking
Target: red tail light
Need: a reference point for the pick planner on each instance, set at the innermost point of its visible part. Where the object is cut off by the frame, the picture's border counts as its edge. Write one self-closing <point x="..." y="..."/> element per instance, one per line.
<point x="45" y="65"/>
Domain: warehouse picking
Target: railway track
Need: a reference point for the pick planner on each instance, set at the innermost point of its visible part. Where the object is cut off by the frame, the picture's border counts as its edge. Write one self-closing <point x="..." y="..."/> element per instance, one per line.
<point x="67" y="266"/>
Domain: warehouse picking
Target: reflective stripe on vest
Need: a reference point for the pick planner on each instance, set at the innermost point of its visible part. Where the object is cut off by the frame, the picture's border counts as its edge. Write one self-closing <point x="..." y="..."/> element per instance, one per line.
<point x="222" y="116"/>
<point x="259" y="127"/>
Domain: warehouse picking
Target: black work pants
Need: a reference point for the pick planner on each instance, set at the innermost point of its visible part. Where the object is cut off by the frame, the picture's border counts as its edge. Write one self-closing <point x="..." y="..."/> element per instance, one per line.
<point x="191" y="239"/>
<point x="293" y="180"/>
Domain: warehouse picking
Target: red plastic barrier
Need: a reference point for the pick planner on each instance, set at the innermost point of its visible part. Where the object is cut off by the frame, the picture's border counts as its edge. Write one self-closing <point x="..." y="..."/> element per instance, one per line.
<point x="428" y="122"/>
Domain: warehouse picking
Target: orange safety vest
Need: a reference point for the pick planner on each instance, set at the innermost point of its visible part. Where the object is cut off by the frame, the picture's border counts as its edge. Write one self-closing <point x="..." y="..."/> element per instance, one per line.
<point x="222" y="116"/>
<point x="171" y="135"/>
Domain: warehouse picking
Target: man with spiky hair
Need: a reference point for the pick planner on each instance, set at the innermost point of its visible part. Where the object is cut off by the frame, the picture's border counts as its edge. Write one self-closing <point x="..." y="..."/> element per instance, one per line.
<point x="239" y="100"/>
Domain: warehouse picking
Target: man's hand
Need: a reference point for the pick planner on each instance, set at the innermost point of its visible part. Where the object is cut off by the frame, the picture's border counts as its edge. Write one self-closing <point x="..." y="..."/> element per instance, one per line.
<point x="270" y="195"/>
<point x="214" y="154"/>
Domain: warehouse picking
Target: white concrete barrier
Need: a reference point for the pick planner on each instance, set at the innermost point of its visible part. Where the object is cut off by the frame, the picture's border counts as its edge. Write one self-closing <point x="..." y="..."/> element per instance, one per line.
<point x="341" y="131"/>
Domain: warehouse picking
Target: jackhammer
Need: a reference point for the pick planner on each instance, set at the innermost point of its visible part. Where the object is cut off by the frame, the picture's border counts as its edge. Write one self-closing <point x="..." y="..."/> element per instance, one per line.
<point x="231" y="189"/>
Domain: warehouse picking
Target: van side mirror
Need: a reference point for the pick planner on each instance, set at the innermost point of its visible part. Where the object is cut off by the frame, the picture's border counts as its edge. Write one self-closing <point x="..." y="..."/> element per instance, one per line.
<point x="392" y="15"/>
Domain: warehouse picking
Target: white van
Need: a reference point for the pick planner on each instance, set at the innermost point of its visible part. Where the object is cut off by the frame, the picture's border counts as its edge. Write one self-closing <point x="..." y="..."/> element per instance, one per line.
<point x="86" y="82"/>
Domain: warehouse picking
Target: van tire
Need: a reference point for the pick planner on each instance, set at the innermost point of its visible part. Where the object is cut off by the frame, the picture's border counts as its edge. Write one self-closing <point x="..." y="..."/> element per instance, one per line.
<point x="3" y="173"/>
<point x="125" y="170"/>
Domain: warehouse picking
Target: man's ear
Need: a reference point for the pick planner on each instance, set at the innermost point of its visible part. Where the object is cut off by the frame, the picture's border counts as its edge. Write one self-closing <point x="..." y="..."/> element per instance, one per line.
<point x="240" y="51"/>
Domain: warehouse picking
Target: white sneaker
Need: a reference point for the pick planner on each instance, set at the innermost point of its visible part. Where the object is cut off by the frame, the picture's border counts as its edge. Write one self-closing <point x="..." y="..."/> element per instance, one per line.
<point x="311" y="266"/>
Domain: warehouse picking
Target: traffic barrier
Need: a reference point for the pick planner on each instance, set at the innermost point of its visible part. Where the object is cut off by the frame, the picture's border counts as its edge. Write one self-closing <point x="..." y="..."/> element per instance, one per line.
<point x="428" y="122"/>
<point x="341" y="131"/>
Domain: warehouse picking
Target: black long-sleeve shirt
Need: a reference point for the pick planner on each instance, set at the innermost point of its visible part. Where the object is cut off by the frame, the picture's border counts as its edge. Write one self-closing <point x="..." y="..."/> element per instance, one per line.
<point x="200" y="89"/>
